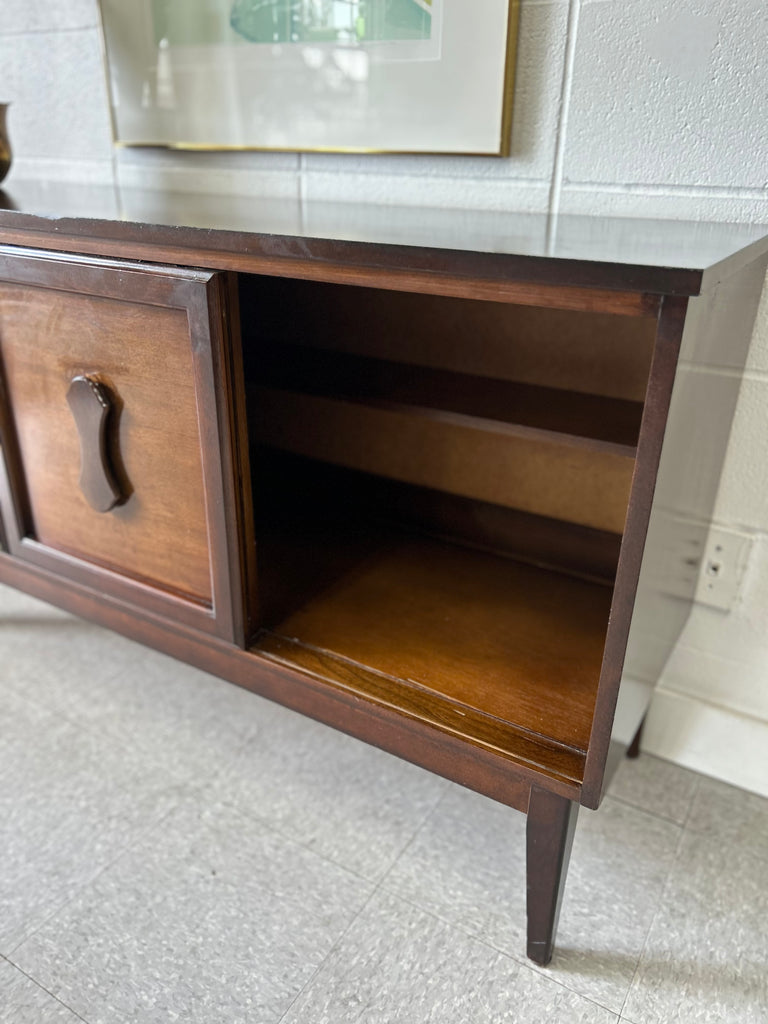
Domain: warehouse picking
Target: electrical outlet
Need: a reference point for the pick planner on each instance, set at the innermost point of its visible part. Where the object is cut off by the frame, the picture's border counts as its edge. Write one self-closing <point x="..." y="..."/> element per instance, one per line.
<point x="726" y="555"/>
<point x="673" y="555"/>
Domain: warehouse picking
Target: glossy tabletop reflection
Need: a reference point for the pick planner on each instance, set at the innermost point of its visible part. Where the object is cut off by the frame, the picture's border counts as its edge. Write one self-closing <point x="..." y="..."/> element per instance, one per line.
<point x="218" y="222"/>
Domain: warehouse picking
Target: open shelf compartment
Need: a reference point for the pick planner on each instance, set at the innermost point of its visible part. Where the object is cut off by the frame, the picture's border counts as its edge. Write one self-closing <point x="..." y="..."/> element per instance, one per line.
<point x="505" y="654"/>
<point x="439" y="532"/>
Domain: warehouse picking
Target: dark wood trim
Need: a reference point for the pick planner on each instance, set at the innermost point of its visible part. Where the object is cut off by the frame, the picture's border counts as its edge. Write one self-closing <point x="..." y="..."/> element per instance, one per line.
<point x="67" y="232"/>
<point x="14" y="503"/>
<point x="85" y="275"/>
<point x="224" y="316"/>
<point x="660" y="384"/>
<point x="524" y="280"/>
<point x="549" y="836"/>
<point x="185" y="608"/>
<point x="208" y="345"/>
<point x="556" y="761"/>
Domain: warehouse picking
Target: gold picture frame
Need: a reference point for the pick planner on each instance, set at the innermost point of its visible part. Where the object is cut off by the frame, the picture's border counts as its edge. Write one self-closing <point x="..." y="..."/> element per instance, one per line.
<point x="342" y="76"/>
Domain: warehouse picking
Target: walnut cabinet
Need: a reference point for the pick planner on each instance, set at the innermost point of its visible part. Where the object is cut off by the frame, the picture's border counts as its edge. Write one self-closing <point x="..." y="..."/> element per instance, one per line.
<point x="397" y="478"/>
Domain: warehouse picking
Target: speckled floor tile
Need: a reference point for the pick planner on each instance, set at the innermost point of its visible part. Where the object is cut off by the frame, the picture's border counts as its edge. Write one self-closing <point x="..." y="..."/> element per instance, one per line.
<point x="185" y="721"/>
<point x="22" y="1001"/>
<point x="705" y="958"/>
<point x="730" y="815"/>
<point x="52" y="658"/>
<point x="620" y="863"/>
<point x="352" y="803"/>
<point x="467" y="865"/>
<point x="656" y="786"/>
<point x="70" y="802"/>
<point x="212" y="919"/>
<point x="399" y="963"/>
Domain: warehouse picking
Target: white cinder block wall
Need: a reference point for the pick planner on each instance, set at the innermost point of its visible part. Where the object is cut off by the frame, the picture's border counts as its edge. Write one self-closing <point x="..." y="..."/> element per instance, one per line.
<point x="638" y="108"/>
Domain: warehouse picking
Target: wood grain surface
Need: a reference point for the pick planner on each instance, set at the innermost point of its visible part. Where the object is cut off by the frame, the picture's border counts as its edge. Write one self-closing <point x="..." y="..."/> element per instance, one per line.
<point x="579" y="481"/>
<point x="520" y="644"/>
<point x="595" y="352"/>
<point x="364" y="379"/>
<point x="143" y="353"/>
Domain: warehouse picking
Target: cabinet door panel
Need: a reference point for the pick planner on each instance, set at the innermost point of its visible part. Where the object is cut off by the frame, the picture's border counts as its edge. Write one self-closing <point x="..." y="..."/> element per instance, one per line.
<point x="115" y="379"/>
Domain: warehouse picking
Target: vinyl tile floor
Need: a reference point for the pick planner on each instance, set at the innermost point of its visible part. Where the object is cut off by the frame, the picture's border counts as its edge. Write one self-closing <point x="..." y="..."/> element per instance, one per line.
<point x="173" y="848"/>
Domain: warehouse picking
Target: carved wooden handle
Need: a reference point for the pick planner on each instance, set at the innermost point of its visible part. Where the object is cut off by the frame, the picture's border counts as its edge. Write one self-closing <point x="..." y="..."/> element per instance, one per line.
<point x="92" y="406"/>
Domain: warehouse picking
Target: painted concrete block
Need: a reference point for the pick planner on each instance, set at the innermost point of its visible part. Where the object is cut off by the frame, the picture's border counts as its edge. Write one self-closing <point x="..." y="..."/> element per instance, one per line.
<point x="433" y="191"/>
<point x="670" y="94"/>
<point x="744" y="483"/>
<point x="220" y="174"/>
<point x="709" y="739"/>
<point x="665" y="202"/>
<point x="739" y="685"/>
<point x="56" y="84"/>
<point x="44" y="16"/>
<point x="719" y="326"/>
<point x="695" y="441"/>
<point x="758" y="352"/>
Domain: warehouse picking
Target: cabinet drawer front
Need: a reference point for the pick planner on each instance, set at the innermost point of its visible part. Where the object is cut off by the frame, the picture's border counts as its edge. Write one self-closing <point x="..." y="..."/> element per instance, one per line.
<point x="112" y="437"/>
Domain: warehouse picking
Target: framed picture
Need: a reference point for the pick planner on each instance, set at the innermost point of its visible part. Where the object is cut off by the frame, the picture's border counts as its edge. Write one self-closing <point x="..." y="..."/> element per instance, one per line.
<point x="411" y="76"/>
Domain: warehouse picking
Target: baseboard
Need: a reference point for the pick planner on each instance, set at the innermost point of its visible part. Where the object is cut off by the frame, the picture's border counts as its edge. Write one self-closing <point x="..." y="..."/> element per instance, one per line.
<point x="708" y="739"/>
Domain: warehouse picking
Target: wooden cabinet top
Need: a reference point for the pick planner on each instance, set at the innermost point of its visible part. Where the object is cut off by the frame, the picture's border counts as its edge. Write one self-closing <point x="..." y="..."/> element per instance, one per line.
<point x="247" y="233"/>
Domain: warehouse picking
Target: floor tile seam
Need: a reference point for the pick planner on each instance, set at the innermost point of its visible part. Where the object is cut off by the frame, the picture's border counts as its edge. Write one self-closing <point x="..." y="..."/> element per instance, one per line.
<point x="59" y="713"/>
<point x="334" y="945"/>
<point x="636" y="807"/>
<point x="544" y="971"/>
<point x="480" y="936"/>
<point x="751" y="856"/>
<point x="521" y="960"/>
<point x="129" y="671"/>
<point x="634" y="976"/>
<point x="275" y="830"/>
<point x="55" y="709"/>
<point x="660" y="903"/>
<point x="466" y="929"/>
<point x="47" y="991"/>
<point x="694" y="795"/>
<point x="416" y="833"/>
<point x="96" y="728"/>
<point x="92" y="879"/>
<point x="68" y="710"/>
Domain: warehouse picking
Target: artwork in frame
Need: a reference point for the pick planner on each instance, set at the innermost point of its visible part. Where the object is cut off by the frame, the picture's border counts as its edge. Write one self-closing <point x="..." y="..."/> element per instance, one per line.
<point x="410" y="76"/>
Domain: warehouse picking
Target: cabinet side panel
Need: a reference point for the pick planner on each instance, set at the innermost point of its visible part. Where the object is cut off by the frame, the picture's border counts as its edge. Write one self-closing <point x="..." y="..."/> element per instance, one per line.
<point x="717" y="333"/>
<point x="660" y="383"/>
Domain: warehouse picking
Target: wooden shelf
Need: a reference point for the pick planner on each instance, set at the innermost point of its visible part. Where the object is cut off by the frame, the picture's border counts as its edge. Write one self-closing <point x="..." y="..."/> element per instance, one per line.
<point x="577" y="480"/>
<point x="316" y="372"/>
<point x="505" y="654"/>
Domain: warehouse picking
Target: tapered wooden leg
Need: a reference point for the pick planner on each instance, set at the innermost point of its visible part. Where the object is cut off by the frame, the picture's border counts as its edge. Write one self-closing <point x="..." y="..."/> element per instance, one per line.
<point x="550" y="827"/>
<point x="633" y="750"/>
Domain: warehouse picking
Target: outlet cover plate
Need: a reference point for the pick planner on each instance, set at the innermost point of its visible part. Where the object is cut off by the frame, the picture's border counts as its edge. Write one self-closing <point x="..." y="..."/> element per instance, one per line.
<point x="726" y="555"/>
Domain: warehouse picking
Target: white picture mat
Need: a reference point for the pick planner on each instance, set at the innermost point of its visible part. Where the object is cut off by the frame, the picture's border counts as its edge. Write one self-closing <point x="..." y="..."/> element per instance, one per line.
<point x="445" y="94"/>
